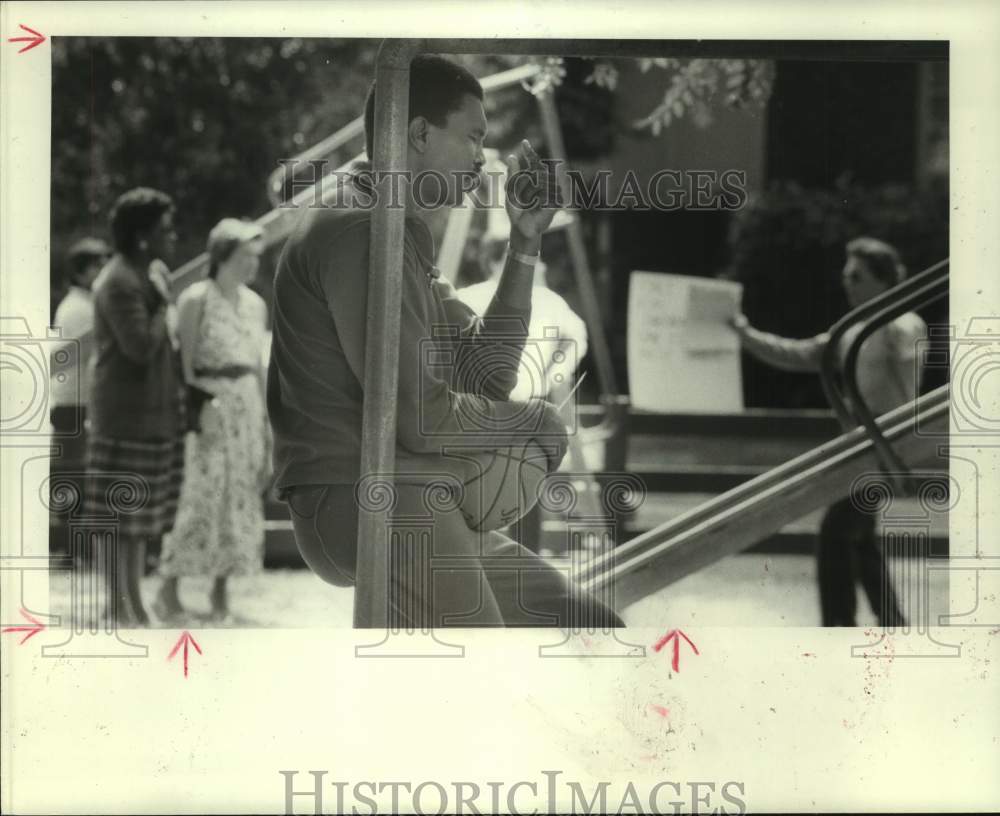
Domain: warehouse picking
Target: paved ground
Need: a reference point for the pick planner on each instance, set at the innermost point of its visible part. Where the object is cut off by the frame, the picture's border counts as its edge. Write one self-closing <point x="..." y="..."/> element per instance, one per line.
<point x="744" y="590"/>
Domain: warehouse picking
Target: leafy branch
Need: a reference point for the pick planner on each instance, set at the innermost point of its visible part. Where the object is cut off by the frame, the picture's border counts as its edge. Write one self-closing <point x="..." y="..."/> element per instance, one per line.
<point x="690" y="85"/>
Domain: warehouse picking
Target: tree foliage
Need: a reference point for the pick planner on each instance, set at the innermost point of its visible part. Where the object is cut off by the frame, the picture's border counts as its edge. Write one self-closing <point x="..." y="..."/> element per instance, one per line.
<point x="207" y="119"/>
<point x="203" y="119"/>
<point x="690" y="83"/>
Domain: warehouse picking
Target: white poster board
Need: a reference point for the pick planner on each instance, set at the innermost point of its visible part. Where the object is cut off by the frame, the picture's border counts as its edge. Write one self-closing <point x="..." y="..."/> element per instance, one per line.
<point x="683" y="357"/>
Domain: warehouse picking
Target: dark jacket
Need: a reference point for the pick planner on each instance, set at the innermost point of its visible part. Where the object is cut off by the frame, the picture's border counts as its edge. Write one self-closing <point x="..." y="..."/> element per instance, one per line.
<point x="136" y="376"/>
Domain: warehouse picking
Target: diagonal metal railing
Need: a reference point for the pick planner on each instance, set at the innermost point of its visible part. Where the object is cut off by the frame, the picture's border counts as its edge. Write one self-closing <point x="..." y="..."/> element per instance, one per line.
<point x="839" y="366"/>
<point x="772" y="482"/>
<point x="730" y="523"/>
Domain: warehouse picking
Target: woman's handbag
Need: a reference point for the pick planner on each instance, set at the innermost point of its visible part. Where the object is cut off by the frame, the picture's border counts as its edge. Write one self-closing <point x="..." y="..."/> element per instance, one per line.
<point x="196" y="399"/>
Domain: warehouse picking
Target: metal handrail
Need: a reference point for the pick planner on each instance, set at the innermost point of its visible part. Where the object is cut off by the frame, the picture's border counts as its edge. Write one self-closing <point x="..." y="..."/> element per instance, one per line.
<point x="830" y="368"/>
<point x="845" y="397"/>
<point x="276" y="224"/>
<point x="782" y="474"/>
<point x="319" y="152"/>
<point x="679" y="550"/>
<point x="922" y="297"/>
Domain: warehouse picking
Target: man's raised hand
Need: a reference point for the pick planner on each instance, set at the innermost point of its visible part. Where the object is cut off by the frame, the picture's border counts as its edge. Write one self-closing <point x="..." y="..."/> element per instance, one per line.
<point x="532" y="193"/>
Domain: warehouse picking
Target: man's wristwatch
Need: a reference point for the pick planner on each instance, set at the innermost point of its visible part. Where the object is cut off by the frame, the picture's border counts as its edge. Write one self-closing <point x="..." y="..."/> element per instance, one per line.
<point x="521" y="258"/>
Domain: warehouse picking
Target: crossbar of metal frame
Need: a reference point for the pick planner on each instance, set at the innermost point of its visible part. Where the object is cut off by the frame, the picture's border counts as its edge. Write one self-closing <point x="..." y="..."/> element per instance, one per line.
<point x="811" y="50"/>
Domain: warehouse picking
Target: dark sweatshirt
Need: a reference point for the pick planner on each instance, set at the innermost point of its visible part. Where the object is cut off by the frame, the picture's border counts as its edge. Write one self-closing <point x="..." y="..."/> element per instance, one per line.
<point x="455" y="369"/>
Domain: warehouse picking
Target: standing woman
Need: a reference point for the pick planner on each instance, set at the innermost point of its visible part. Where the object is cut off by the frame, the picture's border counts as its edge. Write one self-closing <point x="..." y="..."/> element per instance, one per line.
<point x="136" y="409"/>
<point x="220" y="521"/>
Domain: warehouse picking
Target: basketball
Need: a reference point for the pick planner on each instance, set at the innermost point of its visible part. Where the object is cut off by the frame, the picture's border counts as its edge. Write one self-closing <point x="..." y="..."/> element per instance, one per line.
<point x="502" y="485"/>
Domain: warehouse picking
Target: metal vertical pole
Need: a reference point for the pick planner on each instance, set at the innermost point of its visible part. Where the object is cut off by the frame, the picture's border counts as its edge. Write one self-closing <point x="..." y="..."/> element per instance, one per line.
<point x="378" y="428"/>
<point x="578" y="253"/>
<point x="616" y="406"/>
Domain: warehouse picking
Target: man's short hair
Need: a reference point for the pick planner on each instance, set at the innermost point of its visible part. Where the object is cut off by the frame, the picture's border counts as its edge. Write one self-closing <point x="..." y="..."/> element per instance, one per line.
<point x="83" y="253"/>
<point x="881" y="259"/>
<point x="437" y="86"/>
<point x="136" y="212"/>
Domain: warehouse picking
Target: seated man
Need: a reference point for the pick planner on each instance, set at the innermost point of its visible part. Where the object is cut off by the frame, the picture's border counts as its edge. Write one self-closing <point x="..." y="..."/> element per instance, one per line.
<point x="316" y="376"/>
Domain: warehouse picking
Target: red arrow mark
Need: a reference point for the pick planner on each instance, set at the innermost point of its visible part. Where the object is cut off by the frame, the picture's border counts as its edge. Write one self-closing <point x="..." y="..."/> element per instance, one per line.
<point x="184" y="639"/>
<point x="31" y="630"/>
<point x="37" y="39"/>
<point x="675" y="635"/>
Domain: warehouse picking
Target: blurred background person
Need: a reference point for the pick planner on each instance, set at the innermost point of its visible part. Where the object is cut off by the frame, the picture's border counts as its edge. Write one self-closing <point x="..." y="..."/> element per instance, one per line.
<point x="555" y="347"/>
<point x="135" y="409"/>
<point x="888" y="376"/>
<point x="69" y="370"/>
<point x="70" y="382"/>
<point x="220" y="520"/>
<point x="557" y="336"/>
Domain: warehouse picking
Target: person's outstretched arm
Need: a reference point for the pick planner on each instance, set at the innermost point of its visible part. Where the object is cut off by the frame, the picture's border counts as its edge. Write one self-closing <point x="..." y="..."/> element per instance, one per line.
<point x="781" y="352"/>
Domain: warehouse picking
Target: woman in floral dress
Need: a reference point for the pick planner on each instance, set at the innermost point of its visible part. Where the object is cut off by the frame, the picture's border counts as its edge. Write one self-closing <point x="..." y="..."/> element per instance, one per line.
<point x="219" y="529"/>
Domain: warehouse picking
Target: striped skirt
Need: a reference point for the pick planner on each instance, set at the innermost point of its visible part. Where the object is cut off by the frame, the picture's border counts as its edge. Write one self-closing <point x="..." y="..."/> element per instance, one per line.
<point x="134" y="485"/>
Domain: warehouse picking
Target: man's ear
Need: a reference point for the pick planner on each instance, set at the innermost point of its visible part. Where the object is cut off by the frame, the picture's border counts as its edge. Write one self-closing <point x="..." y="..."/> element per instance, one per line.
<point x="418" y="133"/>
